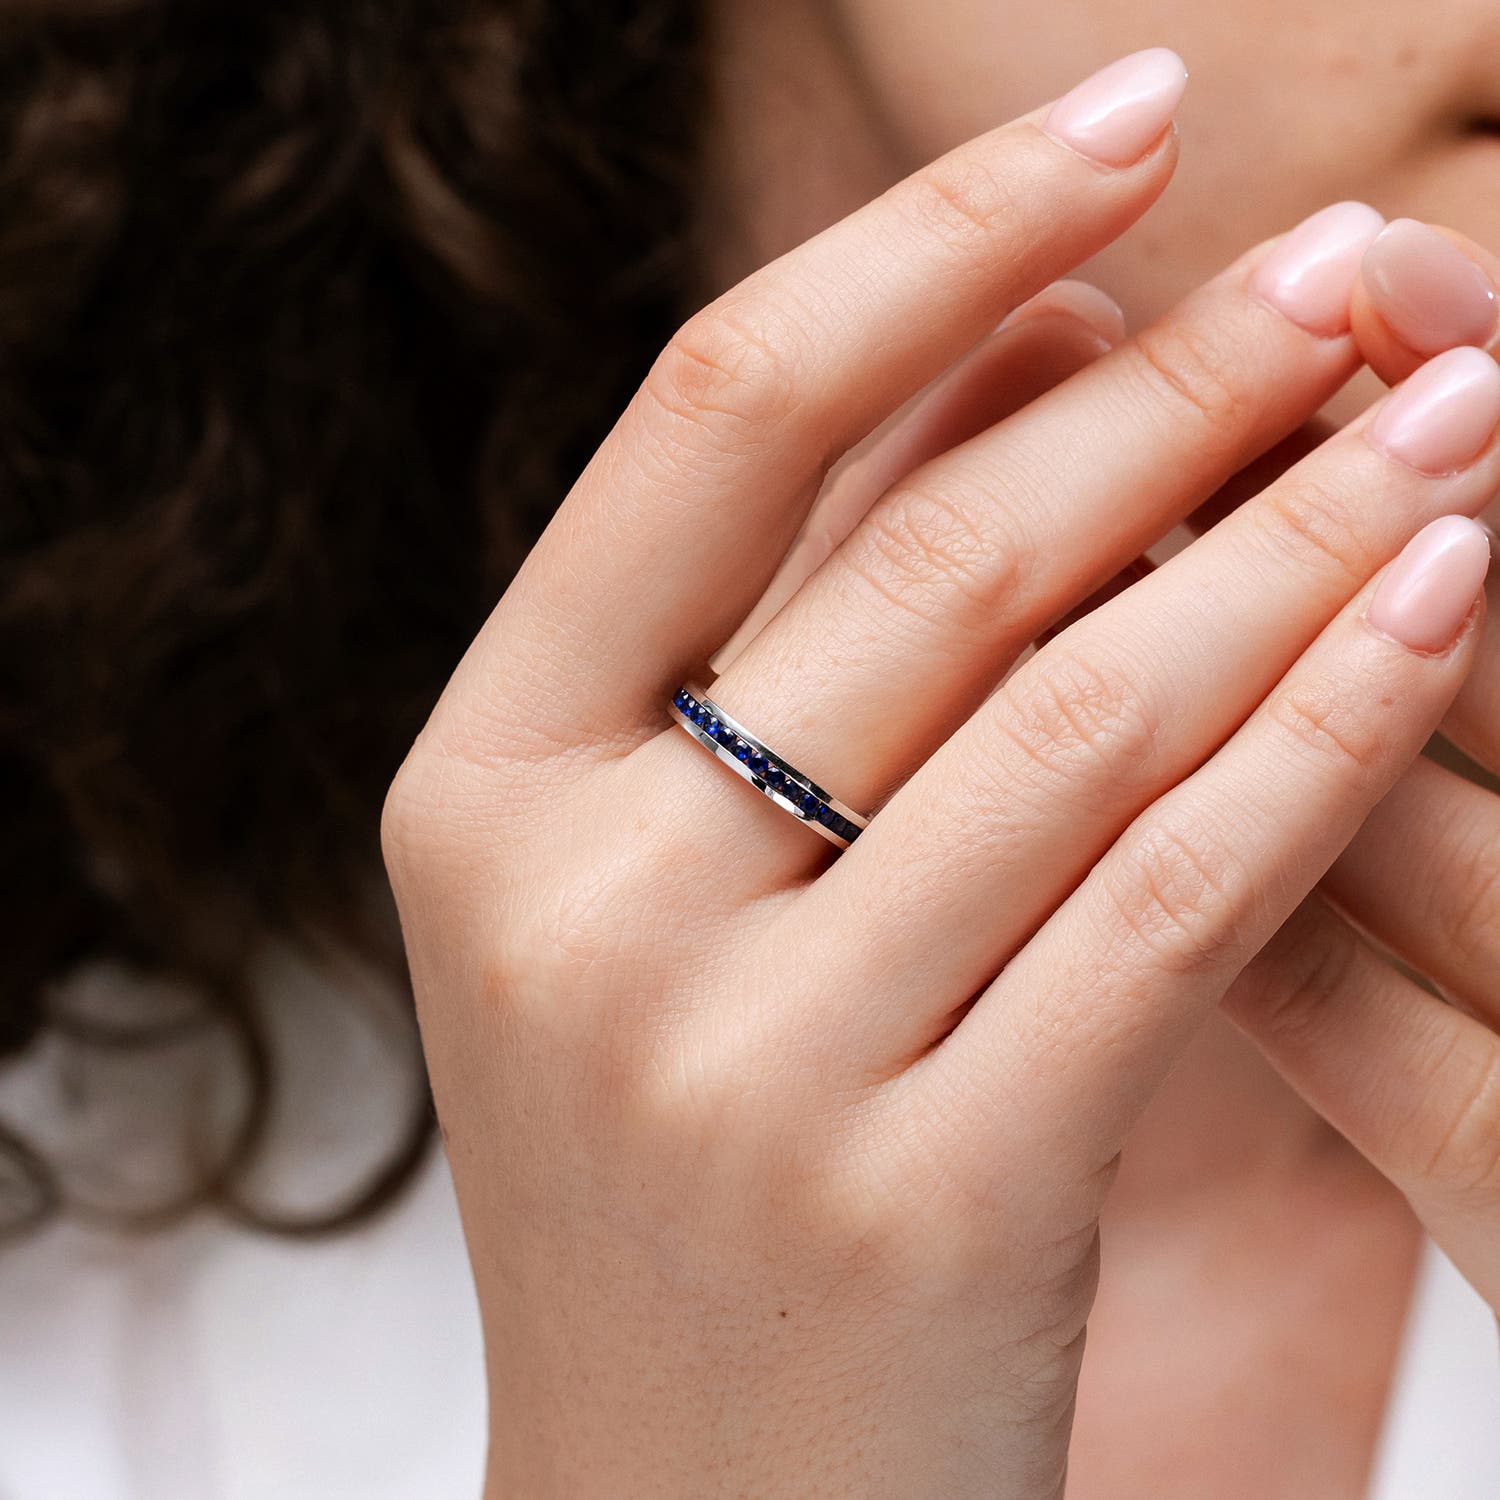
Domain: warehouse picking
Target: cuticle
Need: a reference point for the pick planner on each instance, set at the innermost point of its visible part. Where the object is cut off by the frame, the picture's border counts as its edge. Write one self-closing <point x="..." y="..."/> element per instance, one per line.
<point x="1396" y="458"/>
<point x="1254" y="294"/>
<point x="1170" y="132"/>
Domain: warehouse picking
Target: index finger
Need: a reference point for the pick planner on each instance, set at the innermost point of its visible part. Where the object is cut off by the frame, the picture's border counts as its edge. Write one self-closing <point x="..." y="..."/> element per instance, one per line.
<point x="678" y="521"/>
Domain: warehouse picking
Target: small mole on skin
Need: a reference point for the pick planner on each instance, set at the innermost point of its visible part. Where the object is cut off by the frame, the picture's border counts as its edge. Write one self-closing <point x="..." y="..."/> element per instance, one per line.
<point x="783" y="1312"/>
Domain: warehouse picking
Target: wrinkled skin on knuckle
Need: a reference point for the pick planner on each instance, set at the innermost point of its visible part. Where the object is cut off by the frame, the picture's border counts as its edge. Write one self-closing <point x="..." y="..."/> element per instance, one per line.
<point x="1327" y="717"/>
<point x="733" y="373"/>
<point x="1190" y="372"/>
<point x="921" y="551"/>
<point x="1463" y="1158"/>
<point x="1312" y="520"/>
<point x="1079" y="714"/>
<point x="1178" y="894"/>
<point x="1469" y="915"/>
<point x="968" y="201"/>
<point x="1293" y="995"/>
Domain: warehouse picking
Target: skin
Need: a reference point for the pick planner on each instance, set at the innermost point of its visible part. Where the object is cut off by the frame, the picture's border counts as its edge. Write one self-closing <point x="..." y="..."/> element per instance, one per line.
<point x="759" y="1159"/>
<point x="1388" y="103"/>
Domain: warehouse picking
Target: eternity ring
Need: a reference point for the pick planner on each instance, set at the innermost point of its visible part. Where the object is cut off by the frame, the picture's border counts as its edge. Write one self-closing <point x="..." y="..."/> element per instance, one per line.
<point x="764" y="769"/>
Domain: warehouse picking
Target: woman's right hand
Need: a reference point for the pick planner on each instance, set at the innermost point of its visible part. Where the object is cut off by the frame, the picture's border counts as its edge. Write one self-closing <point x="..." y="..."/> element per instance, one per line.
<point x="781" y="1173"/>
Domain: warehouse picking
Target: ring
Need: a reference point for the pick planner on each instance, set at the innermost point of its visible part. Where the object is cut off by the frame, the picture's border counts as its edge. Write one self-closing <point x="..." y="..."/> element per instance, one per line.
<point x="764" y="769"/>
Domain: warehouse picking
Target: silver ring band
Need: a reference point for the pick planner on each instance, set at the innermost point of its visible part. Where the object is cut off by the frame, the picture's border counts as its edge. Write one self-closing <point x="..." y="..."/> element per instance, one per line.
<point x="755" y="761"/>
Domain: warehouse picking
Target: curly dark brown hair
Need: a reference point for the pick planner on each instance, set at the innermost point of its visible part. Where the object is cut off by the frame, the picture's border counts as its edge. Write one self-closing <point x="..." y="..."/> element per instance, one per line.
<point x="309" y="314"/>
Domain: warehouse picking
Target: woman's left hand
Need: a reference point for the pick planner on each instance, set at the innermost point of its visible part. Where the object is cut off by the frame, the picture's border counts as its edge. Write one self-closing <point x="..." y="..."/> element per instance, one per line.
<point x="1412" y="1080"/>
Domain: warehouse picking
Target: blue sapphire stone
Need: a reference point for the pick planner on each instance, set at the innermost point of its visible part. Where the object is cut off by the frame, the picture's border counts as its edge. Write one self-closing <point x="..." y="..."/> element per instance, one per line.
<point x="809" y="802"/>
<point x="758" y="763"/>
<point x="827" y="817"/>
<point x="711" y="727"/>
<point x="775" y="776"/>
<point x="724" y="735"/>
<point x="742" y="751"/>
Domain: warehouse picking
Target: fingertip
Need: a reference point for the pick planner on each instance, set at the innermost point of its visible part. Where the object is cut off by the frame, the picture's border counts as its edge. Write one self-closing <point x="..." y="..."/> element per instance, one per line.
<point x="1429" y="593"/>
<point x="1378" y="346"/>
<point x="1115" y="116"/>
<point x="1423" y="289"/>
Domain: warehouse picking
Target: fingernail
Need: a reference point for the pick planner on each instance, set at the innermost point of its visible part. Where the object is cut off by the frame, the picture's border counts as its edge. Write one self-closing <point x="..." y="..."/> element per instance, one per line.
<point x="1310" y="273"/>
<point x="1113" y="116"/>
<point x="1442" y="415"/>
<point x="1431" y="295"/>
<point x="1430" y="589"/>
<point x="1075" y="299"/>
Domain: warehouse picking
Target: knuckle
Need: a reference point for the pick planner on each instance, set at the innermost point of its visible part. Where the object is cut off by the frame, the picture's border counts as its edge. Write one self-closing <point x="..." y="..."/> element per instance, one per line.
<point x="1312" y="521"/>
<point x="553" y="953"/>
<point x="1311" y="972"/>
<point x="1076" y="713"/>
<point x="584" y="921"/>
<point x="733" y="369"/>
<point x="1317" y="716"/>
<point x="406" y="820"/>
<point x="921" y="551"/>
<point x="1465" y="1155"/>
<point x="1178" y="894"/>
<point x="1470" y="916"/>
<point x="966" y="200"/>
<point x="1184" y="364"/>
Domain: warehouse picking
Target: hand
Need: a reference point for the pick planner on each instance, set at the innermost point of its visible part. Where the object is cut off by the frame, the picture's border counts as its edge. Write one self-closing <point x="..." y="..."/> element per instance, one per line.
<point x="1423" y="875"/>
<point x="1414" y="1082"/>
<point x="781" y="1171"/>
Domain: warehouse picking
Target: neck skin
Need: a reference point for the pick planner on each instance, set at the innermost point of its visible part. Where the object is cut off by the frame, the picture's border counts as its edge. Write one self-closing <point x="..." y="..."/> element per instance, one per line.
<point x="797" y="141"/>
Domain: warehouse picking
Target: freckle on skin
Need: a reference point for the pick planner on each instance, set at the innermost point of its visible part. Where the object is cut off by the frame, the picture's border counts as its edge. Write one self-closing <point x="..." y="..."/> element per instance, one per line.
<point x="783" y="1312"/>
<point x="1407" y="56"/>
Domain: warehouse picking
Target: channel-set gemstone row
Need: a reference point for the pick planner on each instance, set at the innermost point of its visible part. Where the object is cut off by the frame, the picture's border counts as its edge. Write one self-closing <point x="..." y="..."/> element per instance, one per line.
<point x="809" y="804"/>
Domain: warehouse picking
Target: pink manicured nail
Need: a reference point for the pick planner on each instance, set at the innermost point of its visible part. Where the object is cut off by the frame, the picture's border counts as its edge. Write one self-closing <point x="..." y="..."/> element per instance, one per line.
<point x="1431" y="295"/>
<point x="1075" y="299"/>
<point x="1113" y="116"/>
<point x="1308" y="276"/>
<point x="1443" y="415"/>
<point x="1428" y="592"/>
